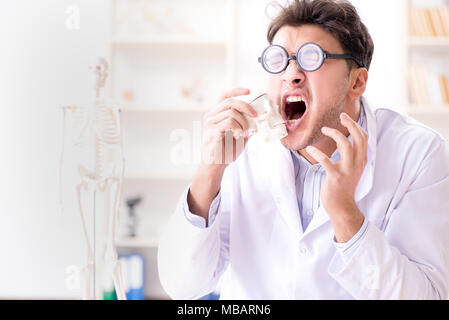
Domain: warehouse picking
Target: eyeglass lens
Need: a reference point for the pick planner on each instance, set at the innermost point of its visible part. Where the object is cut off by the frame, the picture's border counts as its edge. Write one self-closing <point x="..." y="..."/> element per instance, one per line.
<point x="310" y="57"/>
<point x="275" y="59"/>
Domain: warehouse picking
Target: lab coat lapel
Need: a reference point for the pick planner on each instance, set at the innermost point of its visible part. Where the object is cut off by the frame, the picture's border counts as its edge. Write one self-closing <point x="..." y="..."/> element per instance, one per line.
<point x="283" y="187"/>
<point x="366" y="180"/>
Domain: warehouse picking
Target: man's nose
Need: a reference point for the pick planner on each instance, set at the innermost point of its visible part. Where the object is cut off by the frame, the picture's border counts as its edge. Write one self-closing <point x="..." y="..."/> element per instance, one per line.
<point x="293" y="75"/>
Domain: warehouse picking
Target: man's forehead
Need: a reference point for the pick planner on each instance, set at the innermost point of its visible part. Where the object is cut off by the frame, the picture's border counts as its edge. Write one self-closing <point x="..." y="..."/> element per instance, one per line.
<point x="292" y="37"/>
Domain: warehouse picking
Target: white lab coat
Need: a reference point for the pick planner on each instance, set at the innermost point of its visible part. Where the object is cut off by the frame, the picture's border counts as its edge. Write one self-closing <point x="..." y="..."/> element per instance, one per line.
<point x="257" y="237"/>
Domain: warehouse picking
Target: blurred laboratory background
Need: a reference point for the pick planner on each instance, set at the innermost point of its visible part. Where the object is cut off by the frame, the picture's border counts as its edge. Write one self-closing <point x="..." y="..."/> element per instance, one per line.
<point x="168" y="62"/>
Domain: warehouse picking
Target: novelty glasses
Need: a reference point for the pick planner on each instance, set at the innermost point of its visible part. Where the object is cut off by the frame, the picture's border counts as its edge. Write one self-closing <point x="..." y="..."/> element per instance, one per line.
<point x="310" y="57"/>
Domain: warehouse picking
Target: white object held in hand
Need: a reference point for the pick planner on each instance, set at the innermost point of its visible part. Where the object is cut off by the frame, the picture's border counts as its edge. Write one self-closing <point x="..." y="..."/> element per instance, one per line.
<point x="269" y="124"/>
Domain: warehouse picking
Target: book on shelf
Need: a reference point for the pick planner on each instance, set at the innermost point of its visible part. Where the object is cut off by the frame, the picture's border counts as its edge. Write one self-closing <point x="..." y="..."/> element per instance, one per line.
<point x="436" y="22"/>
<point x="427" y="88"/>
<point x="418" y="80"/>
<point x="444" y="88"/>
<point x="429" y="22"/>
<point x="444" y="14"/>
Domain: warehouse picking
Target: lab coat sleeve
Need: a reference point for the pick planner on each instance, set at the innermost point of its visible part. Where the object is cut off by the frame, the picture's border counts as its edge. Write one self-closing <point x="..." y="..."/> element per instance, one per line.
<point x="347" y="250"/>
<point x="410" y="258"/>
<point x="192" y="258"/>
<point x="197" y="220"/>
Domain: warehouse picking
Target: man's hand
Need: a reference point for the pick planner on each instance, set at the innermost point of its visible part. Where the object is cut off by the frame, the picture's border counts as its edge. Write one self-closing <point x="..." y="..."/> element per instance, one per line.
<point x="342" y="178"/>
<point x="226" y="117"/>
<point x="217" y="151"/>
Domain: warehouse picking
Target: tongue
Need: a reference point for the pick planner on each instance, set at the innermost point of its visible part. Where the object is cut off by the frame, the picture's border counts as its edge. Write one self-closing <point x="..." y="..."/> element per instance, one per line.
<point x="295" y="110"/>
<point x="296" y="116"/>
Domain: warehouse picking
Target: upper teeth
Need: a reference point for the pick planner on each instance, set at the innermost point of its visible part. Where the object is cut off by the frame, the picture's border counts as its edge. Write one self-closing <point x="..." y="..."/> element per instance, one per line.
<point x="294" y="99"/>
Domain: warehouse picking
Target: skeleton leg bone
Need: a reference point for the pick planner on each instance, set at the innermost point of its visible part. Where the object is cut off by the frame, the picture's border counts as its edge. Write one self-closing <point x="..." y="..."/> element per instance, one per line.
<point x="88" y="269"/>
<point x="117" y="268"/>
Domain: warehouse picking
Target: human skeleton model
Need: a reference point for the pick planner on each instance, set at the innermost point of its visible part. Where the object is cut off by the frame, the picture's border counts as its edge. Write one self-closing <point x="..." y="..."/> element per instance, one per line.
<point x="97" y="135"/>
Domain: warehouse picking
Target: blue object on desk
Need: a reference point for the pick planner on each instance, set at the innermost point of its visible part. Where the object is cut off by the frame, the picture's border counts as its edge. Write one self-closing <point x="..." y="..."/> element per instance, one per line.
<point x="134" y="265"/>
<point x="211" y="296"/>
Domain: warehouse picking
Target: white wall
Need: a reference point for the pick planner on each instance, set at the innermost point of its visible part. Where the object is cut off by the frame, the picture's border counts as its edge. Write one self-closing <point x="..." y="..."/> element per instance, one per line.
<point x="43" y="67"/>
<point x="386" y="23"/>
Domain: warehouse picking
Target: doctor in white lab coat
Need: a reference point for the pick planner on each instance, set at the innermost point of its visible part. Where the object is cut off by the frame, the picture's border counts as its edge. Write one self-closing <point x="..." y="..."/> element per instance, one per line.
<point x="379" y="228"/>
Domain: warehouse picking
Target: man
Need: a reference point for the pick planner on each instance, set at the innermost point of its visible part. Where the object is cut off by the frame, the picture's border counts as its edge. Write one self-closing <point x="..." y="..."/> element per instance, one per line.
<point x="352" y="204"/>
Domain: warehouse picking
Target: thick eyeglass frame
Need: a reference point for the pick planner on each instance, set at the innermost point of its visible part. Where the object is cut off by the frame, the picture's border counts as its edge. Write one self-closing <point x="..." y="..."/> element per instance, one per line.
<point x="325" y="55"/>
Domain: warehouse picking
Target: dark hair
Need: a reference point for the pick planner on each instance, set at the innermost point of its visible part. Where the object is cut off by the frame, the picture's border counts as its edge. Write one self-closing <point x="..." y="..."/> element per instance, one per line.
<point x="338" y="17"/>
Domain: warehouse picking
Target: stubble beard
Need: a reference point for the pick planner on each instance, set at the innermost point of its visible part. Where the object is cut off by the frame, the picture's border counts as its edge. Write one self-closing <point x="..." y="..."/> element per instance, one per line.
<point x="330" y="118"/>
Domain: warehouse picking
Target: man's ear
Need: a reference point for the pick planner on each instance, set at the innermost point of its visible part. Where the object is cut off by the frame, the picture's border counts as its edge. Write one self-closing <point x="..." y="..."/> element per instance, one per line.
<point x="358" y="81"/>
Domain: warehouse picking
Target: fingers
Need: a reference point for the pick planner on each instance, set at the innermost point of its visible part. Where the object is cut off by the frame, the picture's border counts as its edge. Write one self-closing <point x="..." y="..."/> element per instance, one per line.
<point x="225" y="131"/>
<point x="230" y="113"/>
<point x="360" y="138"/>
<point x="343" y="145"/>
<point x="230" y="124"/>
<point x="226" y="102"/>
<point x="321" y="158"/>
<point x="233" y="93"/>
<point x="238" y="105"/>
<point x="350" y="154"/>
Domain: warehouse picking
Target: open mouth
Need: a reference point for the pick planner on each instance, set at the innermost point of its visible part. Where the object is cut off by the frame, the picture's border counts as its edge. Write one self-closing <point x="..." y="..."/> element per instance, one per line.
<point x="294" y="110"/>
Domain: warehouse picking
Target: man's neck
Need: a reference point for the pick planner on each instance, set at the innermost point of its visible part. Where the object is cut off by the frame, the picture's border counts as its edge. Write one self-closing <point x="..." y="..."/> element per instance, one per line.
<point x="328" y="145"/>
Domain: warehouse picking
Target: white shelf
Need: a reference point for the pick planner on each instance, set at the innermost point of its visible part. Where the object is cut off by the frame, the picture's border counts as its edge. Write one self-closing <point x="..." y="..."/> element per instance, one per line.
<point x="136" y="242"/>
<point x="187" y="109"/>
<point x="428" y="110"/>
<point x="146" y="40"/>
<point x="160" y="176"/>
<point x="429" y="42"/>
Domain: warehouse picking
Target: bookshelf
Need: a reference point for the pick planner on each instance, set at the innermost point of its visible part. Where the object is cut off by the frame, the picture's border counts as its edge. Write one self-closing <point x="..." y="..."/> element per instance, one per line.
<point x="428" y="42"/>
<point x="427" y="72"/>
<point x="141" y="242"/>
<point x="142" y="40"/>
